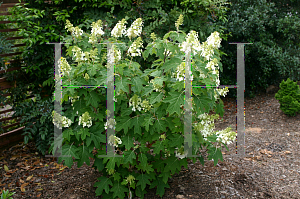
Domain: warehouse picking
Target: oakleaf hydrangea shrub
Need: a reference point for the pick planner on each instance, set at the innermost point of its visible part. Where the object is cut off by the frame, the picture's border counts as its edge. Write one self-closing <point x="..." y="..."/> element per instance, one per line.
<point x="289" y="97"/>
<point x="149" y="106"/>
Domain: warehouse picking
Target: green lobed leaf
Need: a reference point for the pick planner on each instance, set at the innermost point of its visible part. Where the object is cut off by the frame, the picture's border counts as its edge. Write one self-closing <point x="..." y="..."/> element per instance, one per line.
<point x="137" y="122"/>
<point x="143" y="179"/>
<point x="122" y="84"/>
<point x="83" y="155"/>
<point x="173" y="164"/>
<point x="129" y="156"/>
<point x="138" y="83"/>
<point x="68" y="150"/>
<point x="175" y="99"/>
<point x="160" y="186"/>
<point x="102" y="185"/>
<point x="127" y="141"/>
<point x="148" y="120"/>
<point x="172" y="63"/>
<point x="118" y="190"/>
<point x="156" y="97"/>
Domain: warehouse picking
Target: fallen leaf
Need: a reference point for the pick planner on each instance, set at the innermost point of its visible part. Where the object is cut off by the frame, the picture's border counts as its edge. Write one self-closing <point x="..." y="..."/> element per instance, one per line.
<point x="19" y="164"/>
<point x="22" y="181"/>
<point x="23" y="187"/>
<point x="40" y="189"/>
<point x="2" y="158"/>
<point x="288" y="152"/>
<point x="29" y="178"/>
<point x="14" y="157"/>
<point x="6" y="168"/>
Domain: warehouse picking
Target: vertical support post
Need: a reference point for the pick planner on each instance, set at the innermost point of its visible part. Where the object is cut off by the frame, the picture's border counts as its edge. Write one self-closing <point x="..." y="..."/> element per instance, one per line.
<point x="57" y="148"/>
<point x="240" y="144"/>
<point x="110" y="103"/>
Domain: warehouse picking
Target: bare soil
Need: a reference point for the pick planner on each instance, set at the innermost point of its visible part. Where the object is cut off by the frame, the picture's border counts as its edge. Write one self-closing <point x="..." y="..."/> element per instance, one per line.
<point x="269" y="169"/>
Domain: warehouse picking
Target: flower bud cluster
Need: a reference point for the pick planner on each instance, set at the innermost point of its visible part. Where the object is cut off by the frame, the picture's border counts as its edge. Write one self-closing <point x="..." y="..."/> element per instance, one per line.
<point x="157" y="87"/>
<point x="179" y="22"/>
<point x="181" y="153"/>
<point x="85" y="120"/>
<point x="60" y="121"/>
<point x="114" y="140"/>
<point x="153" y="36"/>
<point x="86" y="76"/>
<point x="75" y="31"/>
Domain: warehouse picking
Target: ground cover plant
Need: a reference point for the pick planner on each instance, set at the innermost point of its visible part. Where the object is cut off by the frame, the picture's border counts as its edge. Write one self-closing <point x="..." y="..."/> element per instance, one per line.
<point x="149" y="106"/>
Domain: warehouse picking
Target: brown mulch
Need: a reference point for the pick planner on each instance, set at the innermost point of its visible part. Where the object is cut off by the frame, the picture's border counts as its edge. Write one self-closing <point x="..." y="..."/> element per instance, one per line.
<point x="270" y="168"/>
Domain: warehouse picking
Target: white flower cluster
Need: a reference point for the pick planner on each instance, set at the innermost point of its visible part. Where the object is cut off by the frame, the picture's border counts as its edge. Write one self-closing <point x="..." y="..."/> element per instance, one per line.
<point x="157" y="87"/>
<point x="119" y="29"/>
<point x="134" y="50"/>
<point x="114" y="140"/>
<point x="64" y="66"/>
<point x="135" y="28"/>
<point x="111" y="124"/>
<point x="211" y="66"/>
<point x="135" y="101"/>
<point x="85" y="120"/>
<point x="97" y="28"/>
<point x="60" y="121"/>
<point x="214" y="40"/>
<point x="226" y="136"/>
<point x="180" y="72"/>
<point x="191" y="44"/>
<point x="116" y="53"/>
<point x="206" y="127"/>
<point x="84" y="56"/>
<point x="78" y="54"/>
<point x="96" y="31"/>
<point x="221" y="91"/>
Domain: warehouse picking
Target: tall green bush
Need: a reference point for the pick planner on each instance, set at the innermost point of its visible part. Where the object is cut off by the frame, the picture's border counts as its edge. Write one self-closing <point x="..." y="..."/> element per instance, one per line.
<point x="274" y="32"/>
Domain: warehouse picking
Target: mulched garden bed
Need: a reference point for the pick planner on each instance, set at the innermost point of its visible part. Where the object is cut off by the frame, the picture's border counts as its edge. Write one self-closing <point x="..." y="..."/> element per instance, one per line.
<point x="269" y="169"/>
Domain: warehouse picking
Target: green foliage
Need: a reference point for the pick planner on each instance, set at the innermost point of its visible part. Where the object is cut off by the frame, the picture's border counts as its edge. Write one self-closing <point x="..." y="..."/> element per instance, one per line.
<point x="274" y="54"/>
<point x="38" y="111"/>
<point x="289" y="97"/>
<point x="5" y="47"/>
<point x="6" y="194"/>
<point x="46" y="23"/>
